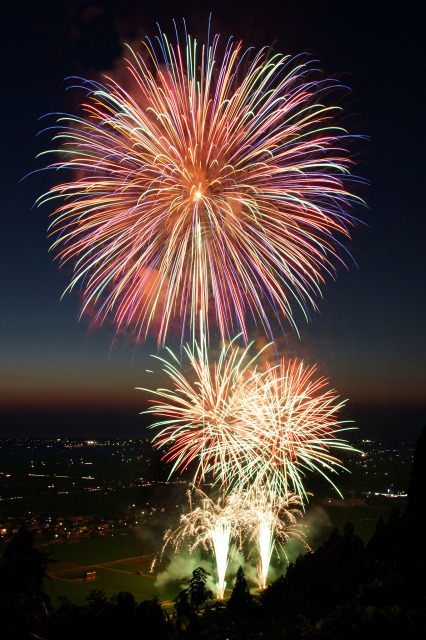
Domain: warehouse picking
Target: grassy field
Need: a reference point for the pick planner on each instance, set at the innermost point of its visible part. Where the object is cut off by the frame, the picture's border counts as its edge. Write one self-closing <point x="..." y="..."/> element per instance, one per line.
<point x="117" y="562"/>
<point x="77" y="589"/>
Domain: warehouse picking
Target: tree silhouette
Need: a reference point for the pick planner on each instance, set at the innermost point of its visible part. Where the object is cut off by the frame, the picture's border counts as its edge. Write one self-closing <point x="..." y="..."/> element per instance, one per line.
<point x="319" y="581"/>
<point x="241" y="599"/>
<point x="197" y="590"/>
<point x="188" y="602"/>
<point x="151" y="620"/>
<point x="23" y="601"/>
<point x="416" y="490"/>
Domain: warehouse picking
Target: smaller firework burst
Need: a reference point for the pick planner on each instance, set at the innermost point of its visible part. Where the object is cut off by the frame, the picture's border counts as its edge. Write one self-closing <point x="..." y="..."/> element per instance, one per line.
<point x="247" y="521"/>
<point x="205" y="426"/>
<point x="209" y="526"/>
<point x="297" y="414"/>
<point x="245" y="422"/>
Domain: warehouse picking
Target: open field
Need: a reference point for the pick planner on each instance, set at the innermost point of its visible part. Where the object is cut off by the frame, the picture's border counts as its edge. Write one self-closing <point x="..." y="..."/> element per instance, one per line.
<point x="67" y="581"/>
<point x="116" y="559"/>
<point x="117" y="562"/>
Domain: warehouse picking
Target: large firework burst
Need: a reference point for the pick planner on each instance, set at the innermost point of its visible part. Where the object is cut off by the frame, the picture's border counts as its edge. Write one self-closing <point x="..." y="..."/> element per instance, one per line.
<point x="217" y="183"/>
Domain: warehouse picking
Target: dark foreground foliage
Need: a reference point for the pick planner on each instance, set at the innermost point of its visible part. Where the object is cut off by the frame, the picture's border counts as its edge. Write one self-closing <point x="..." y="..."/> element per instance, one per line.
<point x="344" y="589"/>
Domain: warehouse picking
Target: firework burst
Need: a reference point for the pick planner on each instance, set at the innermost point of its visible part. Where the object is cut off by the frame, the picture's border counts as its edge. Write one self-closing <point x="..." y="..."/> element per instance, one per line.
<point x="209" y="526"/>
<point x="297" y="414"/>
<point x="238" y="521"/>
<point x="270" y="521"/>
<point x="218" y="183"/>
<point x="242" y="422"/>
<point x="204" y="413"/>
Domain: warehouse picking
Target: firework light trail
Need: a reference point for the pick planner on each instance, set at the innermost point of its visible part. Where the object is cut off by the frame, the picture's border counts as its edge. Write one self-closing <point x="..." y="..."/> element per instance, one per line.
<point x="213" y="179"/>
<point x="209" y="526"/>
<point x="245" y="518"/>
<point x="220" y="534"/>
<point x="271" y="521"/>
<point x="243" y="422"/>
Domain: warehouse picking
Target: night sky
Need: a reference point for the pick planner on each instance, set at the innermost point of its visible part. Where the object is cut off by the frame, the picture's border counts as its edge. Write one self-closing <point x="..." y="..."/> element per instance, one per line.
<point x="57" y="376"/>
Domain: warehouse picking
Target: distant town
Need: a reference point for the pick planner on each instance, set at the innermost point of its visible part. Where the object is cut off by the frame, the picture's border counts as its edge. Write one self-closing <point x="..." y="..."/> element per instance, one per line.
<point x="68" y="488"/>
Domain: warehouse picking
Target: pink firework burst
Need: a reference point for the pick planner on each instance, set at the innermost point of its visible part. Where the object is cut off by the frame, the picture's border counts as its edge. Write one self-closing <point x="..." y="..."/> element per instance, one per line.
<point x="218" y="184"/>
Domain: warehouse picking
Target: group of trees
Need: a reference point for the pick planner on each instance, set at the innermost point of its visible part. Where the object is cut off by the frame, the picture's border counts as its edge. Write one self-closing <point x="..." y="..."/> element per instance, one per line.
<point x="344" y="589"/>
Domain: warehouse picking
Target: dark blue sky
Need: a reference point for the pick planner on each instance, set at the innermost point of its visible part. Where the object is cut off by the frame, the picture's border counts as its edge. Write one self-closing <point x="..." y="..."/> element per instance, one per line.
<point x="369" y="337"/>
